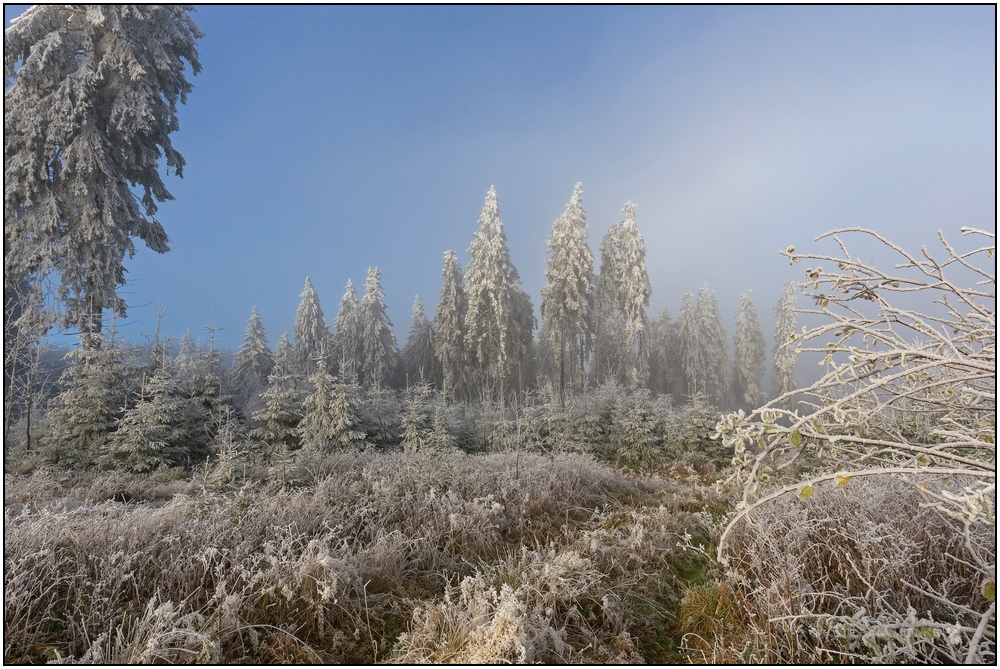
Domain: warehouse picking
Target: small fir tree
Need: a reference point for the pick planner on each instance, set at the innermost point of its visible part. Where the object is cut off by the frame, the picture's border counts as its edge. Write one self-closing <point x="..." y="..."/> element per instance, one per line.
<point x="163" y="428"/>
<point x="86" y="412"/>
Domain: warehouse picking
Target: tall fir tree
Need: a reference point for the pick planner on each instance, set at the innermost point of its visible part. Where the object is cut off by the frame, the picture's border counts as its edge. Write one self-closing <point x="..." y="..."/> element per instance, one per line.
<point x="449" y="329"/>
<point x="419" y="362"/>
<point x="311" y="331"/>
<point x="90" y="101"/>
<point x="715" y="348"/>
<point x="749" y="353"/>
<point x="497" y="313"/>
<point x="785" y="348"/>
<point x="347" y="338"/>
<point x="380" y="358"/>
<point x="665" y="371"/>
<point x="692" y="353"/>
<point x="567" y="298"/>
<point x="254" y="361"/>
<point x="623" y="292"/>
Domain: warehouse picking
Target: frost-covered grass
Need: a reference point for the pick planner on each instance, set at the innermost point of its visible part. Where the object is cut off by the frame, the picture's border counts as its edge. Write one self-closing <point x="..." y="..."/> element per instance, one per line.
<point x="375" y="557"/>
<point x="861" y="573"/>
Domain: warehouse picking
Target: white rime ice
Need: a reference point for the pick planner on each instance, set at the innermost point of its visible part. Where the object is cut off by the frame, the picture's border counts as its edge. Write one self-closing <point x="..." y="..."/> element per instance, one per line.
<point x="90" y="101"/>
<point x="311" y="331"/>
<point x="499" y="311"/>
<point x="449" y="329"/>
<point x="785" y="348"/>
<point x="567" y="298"/>
<point x="748" y="364"/>
<point x="347" y="339"/>
<point x="380" y="359"/>
<point x="623" y="291"/>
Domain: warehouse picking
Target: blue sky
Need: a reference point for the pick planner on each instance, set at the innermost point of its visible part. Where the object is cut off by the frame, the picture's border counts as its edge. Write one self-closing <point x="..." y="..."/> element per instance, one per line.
<point x="322" y="140"/>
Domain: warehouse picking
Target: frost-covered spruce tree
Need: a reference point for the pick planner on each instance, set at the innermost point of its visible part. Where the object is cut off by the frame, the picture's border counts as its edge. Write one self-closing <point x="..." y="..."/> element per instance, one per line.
<point x="567" y="298"/>
<point x="715" y="347"/>
<point x="186" y="362"/>
<point x="347" y="338"/>
<point x="163" y="428"/>
<point x="659" y="353"/>
<point x="380" y="358"/>
<point x="311" y="331"/>
<point x="748" y="364"/>
<point x="276" y="423"/>
<point x="785" y="348"/>
<point x="623" y="292"/>
<point x="416" y="419"/>
<point x="331" y="418"/>
<point x="254" y="361"/>
<point x="495" y="320"/>
<point x="90" y="101"/>
<point x="284" y="355"/>
<point x="691" y="349"/>
<point x="419" y="362"/>
<point x="318" y="420"/>
<point x="86" y="411"/>
<point x="449" y="329"/>
<point x="524" y="364"/>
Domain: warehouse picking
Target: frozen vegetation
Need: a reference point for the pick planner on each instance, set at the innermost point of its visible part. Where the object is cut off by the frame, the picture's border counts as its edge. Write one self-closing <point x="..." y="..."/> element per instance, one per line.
<point x="597" y="486"/>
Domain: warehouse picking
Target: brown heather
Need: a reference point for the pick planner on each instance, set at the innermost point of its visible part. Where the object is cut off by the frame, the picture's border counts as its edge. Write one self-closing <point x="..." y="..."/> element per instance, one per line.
<point x="374" y="558"/>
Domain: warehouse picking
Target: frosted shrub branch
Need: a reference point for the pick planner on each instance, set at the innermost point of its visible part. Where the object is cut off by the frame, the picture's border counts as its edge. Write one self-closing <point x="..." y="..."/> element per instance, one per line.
<point x="908" y="393"/>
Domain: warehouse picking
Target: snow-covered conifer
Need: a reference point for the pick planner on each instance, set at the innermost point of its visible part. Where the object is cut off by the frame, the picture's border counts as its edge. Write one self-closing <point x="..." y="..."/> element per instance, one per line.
<point x="691" y="349"/>
<point x="748" y="364"/>
<point x="186" y="361"/>
<point x="623" y="292"/>
<point x="659" y="353"/>
<point x="318" y="418"/>
<point x="416" y="419"/>
<point x="449" y="329"/>
<point x="347" y="339"/>
<point x="715" y="347"/>
<point x="254" y="361"/>
<point x="86" y="412"/>
<point x="276" y="423"/>
<point x="567" y="297"/>
<point x="311" y="331"/>
<point x="785" y="349"/>
<point x="91" y="103"/>
<point x="284" y="356"/>
<point x="163" y="428"/>
<point x="496" y="319"/>
<point x="419" y="362"/>
<point x="380" y="358"/>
